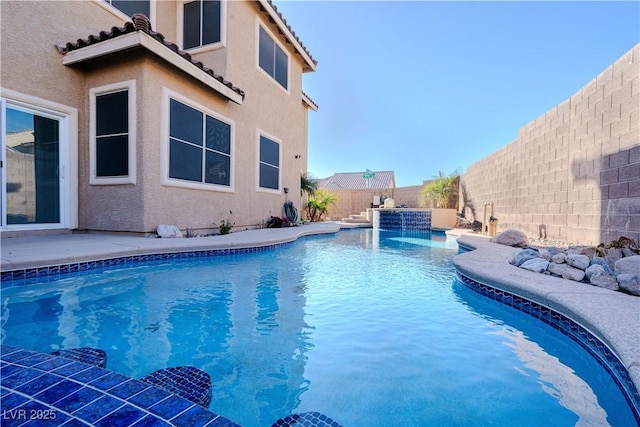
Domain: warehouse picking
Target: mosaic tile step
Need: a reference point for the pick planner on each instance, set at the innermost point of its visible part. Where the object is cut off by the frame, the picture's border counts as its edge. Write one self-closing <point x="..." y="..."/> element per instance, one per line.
<point x="88" y="355"/>
<point x="185" y="381"/>
<point x="306" y="419"/>
<point x="48" y="390"/>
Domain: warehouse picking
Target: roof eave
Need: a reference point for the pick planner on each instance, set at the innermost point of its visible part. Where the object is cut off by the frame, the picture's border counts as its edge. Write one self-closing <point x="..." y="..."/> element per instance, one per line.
<point x="141" y="39"/>
<point x="308" y="102"/>
<point x="309" y="63"/>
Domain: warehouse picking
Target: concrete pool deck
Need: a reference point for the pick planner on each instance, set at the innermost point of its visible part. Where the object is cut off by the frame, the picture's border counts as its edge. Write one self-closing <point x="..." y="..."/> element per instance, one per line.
<point x="41" y="251"/>
<point x="612" y="317"/>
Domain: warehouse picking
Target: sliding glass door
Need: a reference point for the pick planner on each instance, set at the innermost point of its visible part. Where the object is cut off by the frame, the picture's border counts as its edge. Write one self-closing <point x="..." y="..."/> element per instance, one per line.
<point x="31" y="169"/>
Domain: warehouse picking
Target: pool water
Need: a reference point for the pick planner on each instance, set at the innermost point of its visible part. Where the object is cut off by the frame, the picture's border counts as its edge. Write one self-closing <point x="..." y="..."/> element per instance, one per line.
<point x="369" y="327"/>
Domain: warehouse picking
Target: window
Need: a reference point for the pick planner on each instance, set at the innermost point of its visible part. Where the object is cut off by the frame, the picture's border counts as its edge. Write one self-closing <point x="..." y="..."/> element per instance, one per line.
<point x="113" y="122"/>
<point x="269" y="168"/>
<point x="199" y="146"/>
<point x="272" y="58"/>
<point x="201" y="23"/>
<point x="131" y="7"/>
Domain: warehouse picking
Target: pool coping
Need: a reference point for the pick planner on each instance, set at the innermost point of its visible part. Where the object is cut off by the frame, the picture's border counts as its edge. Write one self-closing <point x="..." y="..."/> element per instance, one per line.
<point x="588" y="306"/>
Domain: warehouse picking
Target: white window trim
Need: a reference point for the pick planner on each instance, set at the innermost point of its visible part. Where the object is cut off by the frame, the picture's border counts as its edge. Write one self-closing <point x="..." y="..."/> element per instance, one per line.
<point x="260" y="133"/>
<point x="259" y="24"/>
<point x="130" y="86"/>
<point x="165" y="180"/>
<point x="68" y="119"/>
<point x="208" y="47"/>
<point x="117" y="12"/>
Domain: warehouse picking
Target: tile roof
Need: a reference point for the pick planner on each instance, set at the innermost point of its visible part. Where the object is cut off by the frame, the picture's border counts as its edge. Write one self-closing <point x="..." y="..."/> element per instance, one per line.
<point x="356" y="181"/>
<point x="139" y="22"/>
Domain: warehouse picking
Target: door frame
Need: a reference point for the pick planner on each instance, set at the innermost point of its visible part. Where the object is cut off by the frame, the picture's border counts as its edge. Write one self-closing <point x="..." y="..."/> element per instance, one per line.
<point x="68" y="145"/>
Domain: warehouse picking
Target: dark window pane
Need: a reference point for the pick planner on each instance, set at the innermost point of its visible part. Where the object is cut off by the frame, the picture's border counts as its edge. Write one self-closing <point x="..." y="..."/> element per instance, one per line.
<point x="210" y="22"/>
<point x="266" y="53"/>
<point x="218" y="135"/>
<point x="269" y="151"/>
<point x="191" y="25"/>
<point x="185" y="123"/>
<point x="112" y="113"/>
<point x="112" y="156"/>
<point x="281" y="67"/>
<point x="185" y="161"/>
<point x="130" y="7"/>
<point x="268" y="176"/>
<point x="217" y="169"/>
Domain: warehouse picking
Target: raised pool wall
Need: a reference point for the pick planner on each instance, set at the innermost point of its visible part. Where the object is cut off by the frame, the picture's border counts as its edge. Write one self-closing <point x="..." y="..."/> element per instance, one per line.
<point x="424" y="219"/>
<point x="573" y="173"/>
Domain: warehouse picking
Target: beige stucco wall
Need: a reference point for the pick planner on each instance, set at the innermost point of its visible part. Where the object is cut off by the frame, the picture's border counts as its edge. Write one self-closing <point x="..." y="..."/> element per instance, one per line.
<point x="31" y="65"/>
<point x="573" y="172"/>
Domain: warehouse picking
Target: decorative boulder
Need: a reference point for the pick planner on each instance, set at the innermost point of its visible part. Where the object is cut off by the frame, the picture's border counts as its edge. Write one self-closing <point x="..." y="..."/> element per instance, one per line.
<point x="573" y="273"/>
<point x="629" y="283"/>
<point x="557" y="268"/>
<point x="168" y="231"/>
<point x="597" y="276"/>
<point x="589" y="251"/>
<point x="511" y="237"/>
<point x="524" y="255"/>
<point x="578" y="261"/>
<point x="602" y="262"/>
<point x="613" y="255"/>
<point x="537" y="265"/>
<point x="559" y="258"/>
<point x="628" y="265"/>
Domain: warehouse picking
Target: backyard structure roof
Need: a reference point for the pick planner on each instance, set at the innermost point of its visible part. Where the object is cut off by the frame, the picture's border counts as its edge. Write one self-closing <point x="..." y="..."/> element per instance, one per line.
<point x="357" y="181"/>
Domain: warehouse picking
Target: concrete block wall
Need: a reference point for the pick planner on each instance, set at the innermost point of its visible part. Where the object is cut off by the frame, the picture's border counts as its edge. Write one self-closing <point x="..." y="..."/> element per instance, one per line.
<point x="573" y="173"/>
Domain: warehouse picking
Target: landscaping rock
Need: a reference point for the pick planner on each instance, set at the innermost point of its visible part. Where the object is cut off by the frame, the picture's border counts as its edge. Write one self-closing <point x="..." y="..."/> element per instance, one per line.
<point x="168" y="231"/>
<point x="572" y="273"/>
<point x="603" y="263"/>
<point x="525" y="255"/>
<point x="629" y="283"/>
<point x="628" y="265"/>
<point x="613" y="255"/>
<point x="589" y="251"/>
<point x="557" y="268"/>
<point x="614" y="266"/>
<point x="511" y="237"/>
<point x="597" y="276"/>
<point x="537" y="265"/>
<point x="578" y="261"/>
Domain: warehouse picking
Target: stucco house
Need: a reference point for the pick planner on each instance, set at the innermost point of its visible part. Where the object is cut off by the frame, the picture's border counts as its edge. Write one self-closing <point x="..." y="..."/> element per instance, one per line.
<point x="120" y="116"/>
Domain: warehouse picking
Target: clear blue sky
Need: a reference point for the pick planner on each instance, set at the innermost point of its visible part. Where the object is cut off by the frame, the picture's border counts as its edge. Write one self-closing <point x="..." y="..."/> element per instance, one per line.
<point x="420" y="86"/>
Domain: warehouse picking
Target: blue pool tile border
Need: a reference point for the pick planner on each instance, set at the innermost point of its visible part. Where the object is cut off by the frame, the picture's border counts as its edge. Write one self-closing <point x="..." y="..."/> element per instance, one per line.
<point x="601" y="352"/>
<point x="30" y="276"/>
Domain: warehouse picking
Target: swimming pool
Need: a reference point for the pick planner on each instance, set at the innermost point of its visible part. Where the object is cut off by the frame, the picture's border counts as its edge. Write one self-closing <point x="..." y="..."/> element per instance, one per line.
<point x="369" y="327"/>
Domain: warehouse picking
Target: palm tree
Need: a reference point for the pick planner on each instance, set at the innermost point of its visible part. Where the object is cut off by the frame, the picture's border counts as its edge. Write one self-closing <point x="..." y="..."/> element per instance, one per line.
<point x="308" y="185"/>
<point x="441" y="188"/>
<point x="318" y="205"/>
